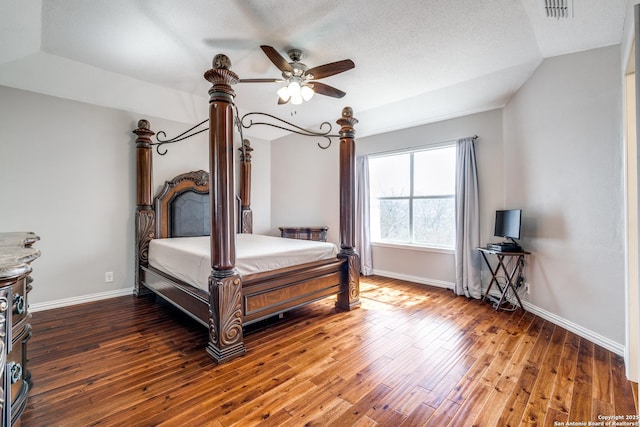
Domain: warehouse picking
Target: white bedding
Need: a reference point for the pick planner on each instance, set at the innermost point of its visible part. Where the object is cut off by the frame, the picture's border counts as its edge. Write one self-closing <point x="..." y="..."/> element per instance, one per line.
<point x="187" y="258"/>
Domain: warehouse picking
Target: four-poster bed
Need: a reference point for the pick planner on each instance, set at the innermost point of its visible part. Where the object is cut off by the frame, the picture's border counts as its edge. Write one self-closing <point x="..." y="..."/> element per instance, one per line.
<point x="198" y="203"/>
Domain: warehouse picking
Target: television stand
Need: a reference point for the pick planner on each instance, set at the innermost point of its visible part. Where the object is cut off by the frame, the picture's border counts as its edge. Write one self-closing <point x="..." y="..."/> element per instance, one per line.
<point x="509" y="275"/>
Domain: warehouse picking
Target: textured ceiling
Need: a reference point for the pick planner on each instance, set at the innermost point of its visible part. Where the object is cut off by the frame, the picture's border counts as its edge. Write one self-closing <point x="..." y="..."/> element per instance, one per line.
<point x="417" y="61"/>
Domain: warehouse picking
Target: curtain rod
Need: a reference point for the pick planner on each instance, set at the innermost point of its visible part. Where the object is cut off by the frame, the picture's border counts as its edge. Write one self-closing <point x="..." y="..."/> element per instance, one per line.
<point x="418" y="148"/>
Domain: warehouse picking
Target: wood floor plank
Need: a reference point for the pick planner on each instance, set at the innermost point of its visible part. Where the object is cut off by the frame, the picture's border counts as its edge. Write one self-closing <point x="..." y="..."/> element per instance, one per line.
<point x="496" y="401"/>
<point x="602" y="381"/>
<point x="517" y="403"/>
<point x="451" y="361"/>
<point x="463" y="389"/>
<point x="443" y="414"/>
<point x="580" y="410"/>
<point x="439" y="393"/>
<point x="542" y="391"/>
<point x="418" y="416"/>
<point x="311" y="406"/>
<point x="563" y="387"/>
<point x="624" y="401"/>
<point x="412" y="355"/>
<point x="356" y="386"/>
<point x="326" y="418"/>
<point x="409" y="400"/>
<point x="600" y="408"/>
<point x="518" y="360"/>
<point x="363" y="406"/>
<point x="555" y="418"/>
<point x="279" y="418"/>
<point x="470" y="408"/>
<point x="236" y="396"/>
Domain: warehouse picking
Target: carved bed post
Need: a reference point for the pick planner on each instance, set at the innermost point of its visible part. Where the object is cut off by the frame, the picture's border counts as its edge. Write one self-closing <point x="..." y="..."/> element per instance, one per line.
<point x="349" y="295"/>
<point x="145" y="218"/>
<point x="246" y="215"/>
<point x="225" y="285"/>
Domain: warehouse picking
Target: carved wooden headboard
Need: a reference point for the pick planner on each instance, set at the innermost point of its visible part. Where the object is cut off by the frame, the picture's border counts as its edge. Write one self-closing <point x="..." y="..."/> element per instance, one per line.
<point x="182" y="206"/>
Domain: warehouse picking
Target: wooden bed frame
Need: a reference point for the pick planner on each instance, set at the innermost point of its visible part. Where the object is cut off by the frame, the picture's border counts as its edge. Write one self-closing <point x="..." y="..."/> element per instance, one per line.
<point x="234" y="301"/>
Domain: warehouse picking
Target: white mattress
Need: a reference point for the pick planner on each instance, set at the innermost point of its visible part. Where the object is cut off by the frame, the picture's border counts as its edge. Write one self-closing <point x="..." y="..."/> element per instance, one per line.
<point x="188" y="258"/>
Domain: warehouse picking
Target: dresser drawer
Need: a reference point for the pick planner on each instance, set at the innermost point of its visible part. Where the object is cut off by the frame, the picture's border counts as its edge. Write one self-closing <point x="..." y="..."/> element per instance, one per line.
<point x="17" y="376"/>
<point x="305" y="233"/>
<point x="19" y="312"/>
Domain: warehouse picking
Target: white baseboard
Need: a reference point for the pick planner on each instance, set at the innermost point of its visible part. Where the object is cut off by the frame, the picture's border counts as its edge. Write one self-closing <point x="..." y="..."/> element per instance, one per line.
<point x="49" y="305"/>
<point x="415" y="279"/>
<point x="585" y="333"/>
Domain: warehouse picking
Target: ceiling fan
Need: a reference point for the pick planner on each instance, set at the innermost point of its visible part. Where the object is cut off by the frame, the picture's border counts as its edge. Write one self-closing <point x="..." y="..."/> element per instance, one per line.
<point x="301" y="80"/>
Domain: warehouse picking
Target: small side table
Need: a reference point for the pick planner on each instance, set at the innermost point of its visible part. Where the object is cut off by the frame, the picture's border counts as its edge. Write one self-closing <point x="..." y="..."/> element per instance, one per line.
<point x="509" y="275"/>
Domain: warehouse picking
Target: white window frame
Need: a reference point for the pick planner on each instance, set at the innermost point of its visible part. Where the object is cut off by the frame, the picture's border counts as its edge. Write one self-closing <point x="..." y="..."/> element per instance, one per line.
<point x="412" y="244"/>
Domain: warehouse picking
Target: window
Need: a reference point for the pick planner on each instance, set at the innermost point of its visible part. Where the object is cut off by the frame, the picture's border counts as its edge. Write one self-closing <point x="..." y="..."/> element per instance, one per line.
<point x="413" y="197"/>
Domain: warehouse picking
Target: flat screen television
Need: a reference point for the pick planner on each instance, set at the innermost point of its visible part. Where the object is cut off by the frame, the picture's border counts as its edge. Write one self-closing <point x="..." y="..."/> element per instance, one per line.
<point x="508" y="223"/>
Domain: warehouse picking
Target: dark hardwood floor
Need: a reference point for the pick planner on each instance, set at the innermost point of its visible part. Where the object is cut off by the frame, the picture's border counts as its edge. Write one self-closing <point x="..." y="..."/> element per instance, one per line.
<point x="411" y="355"/>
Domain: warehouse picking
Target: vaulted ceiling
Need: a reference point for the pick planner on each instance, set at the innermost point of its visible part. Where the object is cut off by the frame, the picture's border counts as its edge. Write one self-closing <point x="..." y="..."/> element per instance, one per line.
<point x="417" y="61"/>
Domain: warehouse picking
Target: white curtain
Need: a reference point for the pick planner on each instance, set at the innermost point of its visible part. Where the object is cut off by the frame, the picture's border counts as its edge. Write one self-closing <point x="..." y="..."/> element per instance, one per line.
<point x="467" y="258"/>
<point x="363" y="235"/>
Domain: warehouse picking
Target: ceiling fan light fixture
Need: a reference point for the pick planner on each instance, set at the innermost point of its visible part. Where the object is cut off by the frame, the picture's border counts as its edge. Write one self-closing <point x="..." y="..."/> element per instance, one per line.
<point x="300" y="79"/>
<point x="294" y="89"/>
<point x="295" y="93"/>
<point x="284" y="93"/>
<point x="306" y="92"/>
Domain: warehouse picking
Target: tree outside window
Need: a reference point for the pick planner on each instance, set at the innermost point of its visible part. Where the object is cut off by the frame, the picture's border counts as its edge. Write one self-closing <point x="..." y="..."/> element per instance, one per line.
<point x="412" y="197"/>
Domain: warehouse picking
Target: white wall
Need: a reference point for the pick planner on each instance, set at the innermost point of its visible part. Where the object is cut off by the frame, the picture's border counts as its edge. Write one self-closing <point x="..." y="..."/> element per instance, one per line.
<point x="563" y="166"/>
<point x="68" y="174"/>
<point x="305" y="185"/>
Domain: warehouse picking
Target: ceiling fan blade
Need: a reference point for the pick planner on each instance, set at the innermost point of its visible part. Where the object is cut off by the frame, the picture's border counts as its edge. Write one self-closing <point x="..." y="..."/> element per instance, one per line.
<point x="260" y="80"/>
<point x="277" y="59"/>
<point x="327" y="90"/>
<point x="281" y="102"/>
<point x="327" y="70"/>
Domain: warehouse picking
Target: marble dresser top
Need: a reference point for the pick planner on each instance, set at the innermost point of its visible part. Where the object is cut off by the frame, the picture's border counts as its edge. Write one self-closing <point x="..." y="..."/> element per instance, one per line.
<point x="16" y="253"/>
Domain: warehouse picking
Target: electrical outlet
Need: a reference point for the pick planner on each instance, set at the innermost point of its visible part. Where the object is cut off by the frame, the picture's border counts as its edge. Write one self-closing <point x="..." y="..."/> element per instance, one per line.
<point x="108" y="276"/>
<point x="527" y="289"/>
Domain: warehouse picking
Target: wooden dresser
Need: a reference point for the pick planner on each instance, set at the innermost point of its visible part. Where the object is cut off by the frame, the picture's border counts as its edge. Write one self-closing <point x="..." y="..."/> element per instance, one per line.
<point x="305" y="233"/>
<point x="16" y="255"/>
